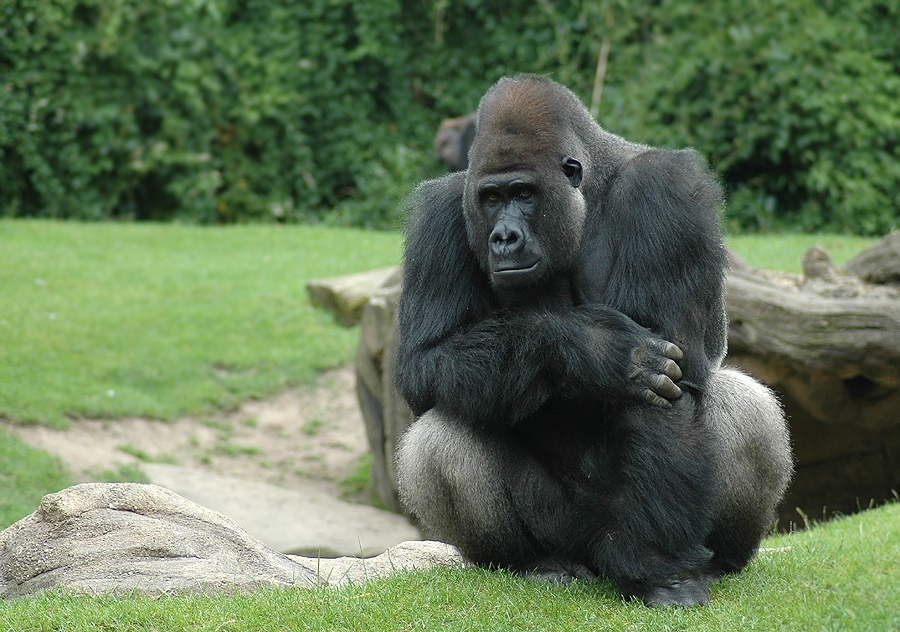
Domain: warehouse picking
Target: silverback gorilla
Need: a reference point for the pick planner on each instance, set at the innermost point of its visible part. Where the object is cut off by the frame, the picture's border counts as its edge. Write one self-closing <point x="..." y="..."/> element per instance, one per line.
<point x="562" y="326"/>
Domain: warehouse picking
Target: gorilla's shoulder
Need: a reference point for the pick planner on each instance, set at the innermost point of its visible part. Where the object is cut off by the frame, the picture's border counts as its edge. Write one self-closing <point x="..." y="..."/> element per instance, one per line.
<point x="668" y="180"/>
<point x="664" y="165"/>
<point x="440" y="192"/>
<point x="435" y="223"/>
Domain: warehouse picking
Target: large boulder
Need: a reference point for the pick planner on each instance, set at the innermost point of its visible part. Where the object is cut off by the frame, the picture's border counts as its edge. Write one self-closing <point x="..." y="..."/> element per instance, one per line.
<point x="127" y="537"/>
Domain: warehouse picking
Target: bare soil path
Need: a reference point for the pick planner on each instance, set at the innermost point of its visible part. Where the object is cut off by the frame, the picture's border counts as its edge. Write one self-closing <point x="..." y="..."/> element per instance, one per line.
<point x="275" y="466"/>
<point x="298" y="436"/>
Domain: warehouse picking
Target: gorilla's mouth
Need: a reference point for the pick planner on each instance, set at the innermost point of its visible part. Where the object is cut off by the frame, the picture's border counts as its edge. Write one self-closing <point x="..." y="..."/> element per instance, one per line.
<point x="515" y="272"/>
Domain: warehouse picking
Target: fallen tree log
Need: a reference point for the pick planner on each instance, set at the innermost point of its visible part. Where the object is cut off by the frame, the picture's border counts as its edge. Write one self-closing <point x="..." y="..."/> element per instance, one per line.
<point x="828" y="342"/>
<point x="879" y="263"/>
<point x="839" y="357"/>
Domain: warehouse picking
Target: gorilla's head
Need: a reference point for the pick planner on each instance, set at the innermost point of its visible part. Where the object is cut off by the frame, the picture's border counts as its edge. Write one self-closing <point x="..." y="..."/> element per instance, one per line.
<point x="524" y="208"/>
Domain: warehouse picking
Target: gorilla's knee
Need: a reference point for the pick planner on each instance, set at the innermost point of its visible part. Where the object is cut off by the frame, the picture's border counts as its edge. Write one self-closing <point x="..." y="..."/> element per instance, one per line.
<point x="751" y="432"/>
<point x="477" y="489"/>
<point x="418" y="463"/>
<point x="448" y="477"/>
<point x="753" y="463"/>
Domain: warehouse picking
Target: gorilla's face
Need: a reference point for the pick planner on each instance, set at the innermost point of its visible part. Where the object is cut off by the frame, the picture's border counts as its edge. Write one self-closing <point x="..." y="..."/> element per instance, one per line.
<point x="508" y="203"/>
<point x="526" y="226"/>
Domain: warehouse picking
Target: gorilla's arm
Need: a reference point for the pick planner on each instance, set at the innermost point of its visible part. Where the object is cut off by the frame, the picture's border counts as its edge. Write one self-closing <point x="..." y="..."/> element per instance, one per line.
<point x="657" y="255"/>
<point x="463" y="354"/>
<point x="456" y="352"/>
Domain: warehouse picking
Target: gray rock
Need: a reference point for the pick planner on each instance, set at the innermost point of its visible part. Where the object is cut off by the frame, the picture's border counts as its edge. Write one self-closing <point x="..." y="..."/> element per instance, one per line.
<point x="101" y="537"/>
<point x="128" y="537"/>
<point x="407" y="556"/>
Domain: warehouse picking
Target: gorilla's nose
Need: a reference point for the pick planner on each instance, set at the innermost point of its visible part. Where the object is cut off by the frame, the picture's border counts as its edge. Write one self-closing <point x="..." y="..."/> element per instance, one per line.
<point x="507" y="239"/>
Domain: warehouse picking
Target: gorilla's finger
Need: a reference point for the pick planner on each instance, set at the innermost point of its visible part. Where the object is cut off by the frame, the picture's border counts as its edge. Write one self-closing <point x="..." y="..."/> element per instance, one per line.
<point x="655" y="400"/>
<point x="672" y="370"/>
<point x="673" y="351"/>
<point x="667" y="388"/>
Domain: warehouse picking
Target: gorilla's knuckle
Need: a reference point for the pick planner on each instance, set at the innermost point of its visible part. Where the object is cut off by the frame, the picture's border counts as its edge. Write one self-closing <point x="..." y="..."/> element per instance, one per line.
<point x="655" y="400"/>
<point x="638" y="354"/>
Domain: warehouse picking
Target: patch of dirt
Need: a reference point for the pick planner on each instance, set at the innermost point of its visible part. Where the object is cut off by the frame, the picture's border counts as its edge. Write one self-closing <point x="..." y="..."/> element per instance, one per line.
<point x="302" y="436"/>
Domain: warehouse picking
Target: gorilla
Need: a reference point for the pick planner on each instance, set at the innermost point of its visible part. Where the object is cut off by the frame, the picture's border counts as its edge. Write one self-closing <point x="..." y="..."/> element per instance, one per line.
<point x="562" y="327"/>
<point x="452" y="141"/>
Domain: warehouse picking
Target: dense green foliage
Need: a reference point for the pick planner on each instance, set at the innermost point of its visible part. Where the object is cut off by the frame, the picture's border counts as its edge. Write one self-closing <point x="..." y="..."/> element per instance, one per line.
<point x="796" y="101"/>
<point x="211" y="110"/>
<point x="218" y="111"/>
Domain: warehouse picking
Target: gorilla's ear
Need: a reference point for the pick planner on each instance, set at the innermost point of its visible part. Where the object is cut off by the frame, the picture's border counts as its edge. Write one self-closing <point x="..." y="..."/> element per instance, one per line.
<point x="572" y="169"/>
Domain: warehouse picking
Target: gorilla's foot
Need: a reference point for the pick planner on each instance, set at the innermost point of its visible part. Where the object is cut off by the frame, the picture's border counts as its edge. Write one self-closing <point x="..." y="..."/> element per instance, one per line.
<point x="553" y="570"/>
<point x="686" y="592"/>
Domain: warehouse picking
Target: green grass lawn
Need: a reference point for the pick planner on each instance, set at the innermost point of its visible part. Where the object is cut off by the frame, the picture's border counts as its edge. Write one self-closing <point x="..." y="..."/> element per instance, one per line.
<point x="784" y="252"/>
<point x="142" y="319"/>
<point x="838" y="576"/>
<point x="106" y="320"/>
<point x="26" y="475"/>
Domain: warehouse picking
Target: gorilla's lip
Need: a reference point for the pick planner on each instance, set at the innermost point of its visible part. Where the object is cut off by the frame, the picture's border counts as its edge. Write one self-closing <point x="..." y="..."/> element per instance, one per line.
<point x="515" y="269"/>
<point x="512" y="272"/>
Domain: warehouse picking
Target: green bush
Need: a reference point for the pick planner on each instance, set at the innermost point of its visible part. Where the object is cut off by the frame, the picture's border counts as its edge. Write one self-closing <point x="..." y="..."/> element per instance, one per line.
<point x="208" y="111"/>
<point x="324" y="110"/>
<point x="796" y="101"/>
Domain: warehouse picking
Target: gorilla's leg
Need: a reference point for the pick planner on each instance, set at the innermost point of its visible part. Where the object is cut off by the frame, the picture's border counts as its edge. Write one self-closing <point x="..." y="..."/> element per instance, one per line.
<point x="719" y="475"/>
<point x="482" y="491"/>
<point x="648" y="503"/>
<point x="753" y="464"/>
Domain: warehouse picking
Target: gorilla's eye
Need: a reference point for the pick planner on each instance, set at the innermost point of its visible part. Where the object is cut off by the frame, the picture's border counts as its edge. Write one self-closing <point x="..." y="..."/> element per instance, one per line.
<point x="524" y="192"/>
<point x="493" y="196"/>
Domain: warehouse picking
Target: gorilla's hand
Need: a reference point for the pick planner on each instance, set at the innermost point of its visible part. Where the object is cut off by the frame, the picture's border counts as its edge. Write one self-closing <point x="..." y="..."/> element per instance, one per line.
<point x="598" y="352"/>
<point x="653" y="371"/>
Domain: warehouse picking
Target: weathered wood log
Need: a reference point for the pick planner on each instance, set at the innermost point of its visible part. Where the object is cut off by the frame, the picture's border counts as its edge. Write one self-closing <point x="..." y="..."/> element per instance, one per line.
<point x="839" y="357"/>
<point x="880" y="262"/>
<point x="346" y="296"/>
<point x="829" y="345"/>
<point x="827" y="342"/>
<point x="386" y="414"/>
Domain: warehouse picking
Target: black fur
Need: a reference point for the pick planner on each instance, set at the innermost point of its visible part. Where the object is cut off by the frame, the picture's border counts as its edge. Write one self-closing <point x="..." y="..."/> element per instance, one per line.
<point x="565" y="434"/>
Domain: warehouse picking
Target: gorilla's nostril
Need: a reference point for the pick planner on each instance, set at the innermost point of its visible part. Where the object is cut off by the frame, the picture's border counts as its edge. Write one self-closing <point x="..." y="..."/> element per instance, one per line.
<point x="507" y="236"/>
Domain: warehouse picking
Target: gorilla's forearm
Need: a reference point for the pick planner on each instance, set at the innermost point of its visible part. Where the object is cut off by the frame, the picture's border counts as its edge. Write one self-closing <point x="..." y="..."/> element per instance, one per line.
<point x="601" y="353"/>
<point x="492" y="373"/>
<point x="505" y="367"/>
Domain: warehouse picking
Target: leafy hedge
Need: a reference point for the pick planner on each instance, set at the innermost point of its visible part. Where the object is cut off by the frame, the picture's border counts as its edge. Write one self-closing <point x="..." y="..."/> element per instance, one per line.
<point x="324" y="110"/>
<point x="207" y="110"/>
<point x="796" y="101"/>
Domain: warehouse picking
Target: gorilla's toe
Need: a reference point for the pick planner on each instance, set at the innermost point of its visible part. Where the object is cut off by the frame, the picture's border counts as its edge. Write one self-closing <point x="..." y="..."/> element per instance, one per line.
<point x="690" y="591"/>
